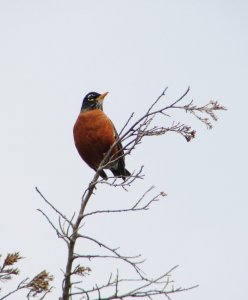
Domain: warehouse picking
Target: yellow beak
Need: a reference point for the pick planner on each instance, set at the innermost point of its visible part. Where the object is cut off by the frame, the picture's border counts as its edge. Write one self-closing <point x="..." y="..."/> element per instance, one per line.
<point x="102" y="96"/>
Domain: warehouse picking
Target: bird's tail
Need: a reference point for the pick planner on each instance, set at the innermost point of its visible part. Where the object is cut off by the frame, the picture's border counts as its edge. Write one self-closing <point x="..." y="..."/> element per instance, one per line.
<point x="121" y="173"/>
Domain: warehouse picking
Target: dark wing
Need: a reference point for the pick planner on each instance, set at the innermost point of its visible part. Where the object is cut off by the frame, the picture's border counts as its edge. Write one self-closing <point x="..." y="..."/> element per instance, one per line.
<point x="119" y="169"/>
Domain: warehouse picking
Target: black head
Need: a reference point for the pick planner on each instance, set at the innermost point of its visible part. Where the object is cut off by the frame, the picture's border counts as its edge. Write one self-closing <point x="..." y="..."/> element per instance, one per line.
<point x="92" y="101"/>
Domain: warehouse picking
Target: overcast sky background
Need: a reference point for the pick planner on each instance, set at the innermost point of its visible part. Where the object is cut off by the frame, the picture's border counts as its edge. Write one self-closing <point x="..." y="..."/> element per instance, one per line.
<point x="54" y="52"/>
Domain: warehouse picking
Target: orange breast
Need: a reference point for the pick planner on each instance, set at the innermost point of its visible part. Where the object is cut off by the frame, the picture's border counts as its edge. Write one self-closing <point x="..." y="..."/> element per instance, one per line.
<point x="93" y="136"/>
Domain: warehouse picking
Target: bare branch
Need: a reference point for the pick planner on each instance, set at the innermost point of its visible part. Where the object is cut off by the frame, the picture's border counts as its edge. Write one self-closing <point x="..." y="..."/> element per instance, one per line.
<point x="59" y="234"/>
<point x="52" y="206"/>
<point x="20" y="286"/>
<point x="126" y="259"/>
<point x="134" y="208"/>
<point x="148" y="288"/>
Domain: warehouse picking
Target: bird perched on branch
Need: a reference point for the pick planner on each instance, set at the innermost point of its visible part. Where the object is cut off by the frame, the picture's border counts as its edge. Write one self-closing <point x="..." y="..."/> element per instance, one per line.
<point x="94" y="134"/>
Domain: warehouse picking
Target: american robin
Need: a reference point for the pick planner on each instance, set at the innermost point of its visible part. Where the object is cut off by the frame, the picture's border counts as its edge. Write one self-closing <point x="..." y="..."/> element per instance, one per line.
<point x="94" y="134"/>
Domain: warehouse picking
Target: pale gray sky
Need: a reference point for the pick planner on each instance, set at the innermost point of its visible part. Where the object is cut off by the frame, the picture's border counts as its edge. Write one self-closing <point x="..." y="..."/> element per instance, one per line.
<point x="52" y="53"/>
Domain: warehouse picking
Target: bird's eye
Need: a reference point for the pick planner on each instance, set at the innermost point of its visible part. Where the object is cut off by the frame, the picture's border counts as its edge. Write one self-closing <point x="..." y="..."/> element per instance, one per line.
<point x="91" y="97"/>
